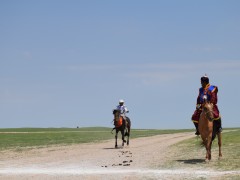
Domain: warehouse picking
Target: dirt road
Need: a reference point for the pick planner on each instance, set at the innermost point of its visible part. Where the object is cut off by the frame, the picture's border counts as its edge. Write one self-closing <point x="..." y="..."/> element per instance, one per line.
<point x="143" y="159"/>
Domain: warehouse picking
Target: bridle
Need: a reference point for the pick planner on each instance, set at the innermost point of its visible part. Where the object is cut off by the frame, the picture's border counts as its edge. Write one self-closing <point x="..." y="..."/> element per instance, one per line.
<point x="207" y="114"/>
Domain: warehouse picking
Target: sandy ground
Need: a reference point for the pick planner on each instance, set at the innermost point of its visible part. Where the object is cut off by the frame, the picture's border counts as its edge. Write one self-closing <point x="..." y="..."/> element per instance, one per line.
<point x="142" y="159"/>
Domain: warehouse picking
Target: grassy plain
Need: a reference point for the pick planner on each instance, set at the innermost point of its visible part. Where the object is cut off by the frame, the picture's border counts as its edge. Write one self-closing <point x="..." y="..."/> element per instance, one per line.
<point x="188" y="154"/>
<point x="191" y="154"/>
<point x="20" y="138"/>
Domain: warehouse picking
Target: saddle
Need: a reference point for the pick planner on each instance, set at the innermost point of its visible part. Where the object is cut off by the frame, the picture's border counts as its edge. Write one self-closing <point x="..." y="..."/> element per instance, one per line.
<point x="119" y="122"/>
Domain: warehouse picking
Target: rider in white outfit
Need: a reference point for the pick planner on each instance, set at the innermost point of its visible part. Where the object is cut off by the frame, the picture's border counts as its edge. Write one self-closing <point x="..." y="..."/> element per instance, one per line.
<point x="123" y="109"/>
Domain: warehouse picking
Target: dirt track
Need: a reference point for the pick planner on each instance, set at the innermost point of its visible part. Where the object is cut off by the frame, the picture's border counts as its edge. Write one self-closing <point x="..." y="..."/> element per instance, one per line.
<point x="143" y="159"/>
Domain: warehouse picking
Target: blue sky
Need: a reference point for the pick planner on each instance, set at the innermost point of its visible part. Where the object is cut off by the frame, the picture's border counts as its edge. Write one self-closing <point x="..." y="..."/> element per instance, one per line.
<point x="67" y="63"/>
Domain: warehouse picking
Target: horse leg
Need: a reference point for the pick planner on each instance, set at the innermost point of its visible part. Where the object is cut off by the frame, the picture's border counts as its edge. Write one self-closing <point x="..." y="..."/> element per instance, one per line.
<point x="206" y="143"/>
<point x="207" y="155"/>
<point x="128" y="135"/>
<point x="220" y="144"/>
<point x="206" y="159"/>
<point x="210" y="150"/>
<point x="123" y="140"/>
<point x="116" y="136"/>
<point x="128" y="127"/>
<point x="208" y="147"/>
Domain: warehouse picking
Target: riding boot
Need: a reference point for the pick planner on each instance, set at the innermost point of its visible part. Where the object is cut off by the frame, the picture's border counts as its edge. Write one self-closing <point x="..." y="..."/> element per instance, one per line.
<point x="196" y="126"/>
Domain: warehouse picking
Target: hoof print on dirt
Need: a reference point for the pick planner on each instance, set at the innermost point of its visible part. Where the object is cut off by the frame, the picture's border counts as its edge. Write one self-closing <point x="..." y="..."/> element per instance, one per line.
<point x="126" y="163"/>
<point x="126" y="154"/>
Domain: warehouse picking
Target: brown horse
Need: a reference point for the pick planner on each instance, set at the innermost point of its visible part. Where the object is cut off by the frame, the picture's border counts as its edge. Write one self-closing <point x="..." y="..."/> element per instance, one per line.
<point x="123" y="127"/>
<point x="208" y="131"/>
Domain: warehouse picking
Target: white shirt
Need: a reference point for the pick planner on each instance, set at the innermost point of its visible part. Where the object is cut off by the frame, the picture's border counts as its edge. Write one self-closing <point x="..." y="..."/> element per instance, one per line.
<point x="123" y="109"/>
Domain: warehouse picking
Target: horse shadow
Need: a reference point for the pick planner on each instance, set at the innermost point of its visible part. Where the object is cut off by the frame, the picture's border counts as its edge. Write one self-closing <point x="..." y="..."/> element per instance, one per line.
<point x="108" y="148"/>
<point x="191" y="161"/>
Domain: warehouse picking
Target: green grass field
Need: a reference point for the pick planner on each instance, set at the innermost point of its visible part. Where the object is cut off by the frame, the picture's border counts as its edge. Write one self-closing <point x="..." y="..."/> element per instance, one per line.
<point x="188" y="152"/>
<point x="192" y="154"/>
<point x="41" y="137"/>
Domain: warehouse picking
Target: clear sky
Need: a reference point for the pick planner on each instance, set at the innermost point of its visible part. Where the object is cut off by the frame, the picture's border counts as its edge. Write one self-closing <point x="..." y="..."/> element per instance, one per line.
<point x="66" y="63"/>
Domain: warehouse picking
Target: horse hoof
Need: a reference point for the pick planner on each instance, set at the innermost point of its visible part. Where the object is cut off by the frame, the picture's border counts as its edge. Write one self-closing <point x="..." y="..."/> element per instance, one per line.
<point x="116" y="146"/>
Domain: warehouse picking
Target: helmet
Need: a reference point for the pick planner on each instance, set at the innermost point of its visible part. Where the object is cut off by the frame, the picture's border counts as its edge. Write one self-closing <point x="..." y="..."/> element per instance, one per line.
<point x="121" y="101"/>
<point x="205" y="78"/>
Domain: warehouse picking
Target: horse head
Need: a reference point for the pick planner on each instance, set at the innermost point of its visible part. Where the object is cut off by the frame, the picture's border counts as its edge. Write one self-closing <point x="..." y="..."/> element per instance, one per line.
<point x="117" y="117"/>
<point x="208" y="110"/>
<point x="116" y="114"/>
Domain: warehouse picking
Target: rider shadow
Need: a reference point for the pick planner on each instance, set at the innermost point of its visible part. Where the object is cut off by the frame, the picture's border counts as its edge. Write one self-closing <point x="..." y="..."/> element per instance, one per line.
<point x="192" y="161"/>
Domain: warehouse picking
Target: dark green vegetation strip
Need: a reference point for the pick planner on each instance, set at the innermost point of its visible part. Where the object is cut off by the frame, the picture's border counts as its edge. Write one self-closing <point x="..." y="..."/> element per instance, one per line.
<point x="190" y="153"/>
<point x="41" y="137"/>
